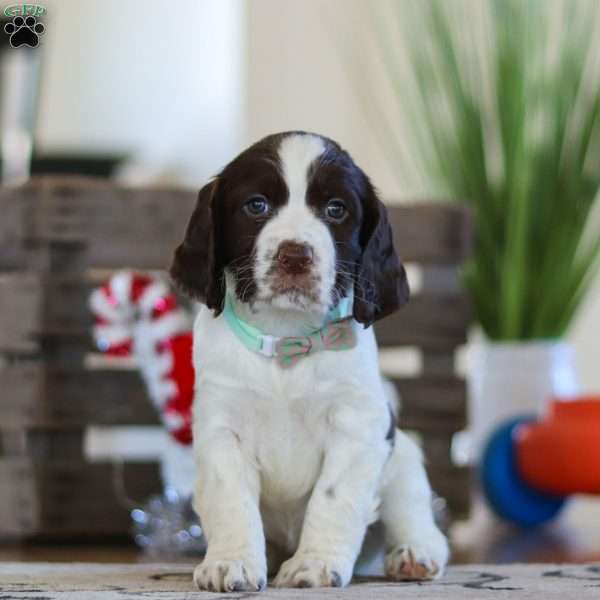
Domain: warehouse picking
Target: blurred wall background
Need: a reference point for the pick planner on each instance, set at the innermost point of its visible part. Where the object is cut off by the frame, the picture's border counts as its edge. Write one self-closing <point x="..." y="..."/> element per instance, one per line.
<point x="163" y="82"/>
<point x="182" y="87"/>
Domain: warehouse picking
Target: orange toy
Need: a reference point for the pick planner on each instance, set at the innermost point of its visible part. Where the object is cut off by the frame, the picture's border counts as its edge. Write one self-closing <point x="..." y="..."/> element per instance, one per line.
<point x="530" y="466"/>
<point x="561" y="453"/>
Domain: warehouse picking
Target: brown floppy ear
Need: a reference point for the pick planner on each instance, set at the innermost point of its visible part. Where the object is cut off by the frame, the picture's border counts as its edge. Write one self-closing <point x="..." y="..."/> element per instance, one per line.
<point x="381" y="285"/>
<point x="196" y="267"/>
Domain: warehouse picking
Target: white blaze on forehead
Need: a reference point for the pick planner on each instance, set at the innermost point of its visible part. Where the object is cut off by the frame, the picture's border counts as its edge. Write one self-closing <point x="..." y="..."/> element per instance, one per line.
<point x="296" y="221"/>
<point x="296" y="154"/>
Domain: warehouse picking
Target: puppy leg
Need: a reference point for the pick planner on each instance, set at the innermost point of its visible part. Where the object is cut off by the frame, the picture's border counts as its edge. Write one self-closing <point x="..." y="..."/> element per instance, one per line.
<point x="415" y="547"/>
<point x="342" y="505"/>
<point x="226" y="500"/>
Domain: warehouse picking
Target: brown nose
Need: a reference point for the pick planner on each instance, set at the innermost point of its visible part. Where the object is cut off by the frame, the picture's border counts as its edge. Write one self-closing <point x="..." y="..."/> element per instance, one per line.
<point x="294" y="258"/>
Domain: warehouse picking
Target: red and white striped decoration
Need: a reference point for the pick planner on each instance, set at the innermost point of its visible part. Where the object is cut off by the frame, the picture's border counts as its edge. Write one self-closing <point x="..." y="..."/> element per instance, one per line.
<point x="138" y="315"/>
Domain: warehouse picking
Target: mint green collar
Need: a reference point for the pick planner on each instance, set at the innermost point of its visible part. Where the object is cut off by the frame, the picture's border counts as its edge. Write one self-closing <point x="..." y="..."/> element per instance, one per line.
<point x="267" y="345"/>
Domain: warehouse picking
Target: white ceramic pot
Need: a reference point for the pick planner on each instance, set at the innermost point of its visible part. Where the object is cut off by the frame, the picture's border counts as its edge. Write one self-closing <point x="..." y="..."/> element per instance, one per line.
<point x="511" y="379"/>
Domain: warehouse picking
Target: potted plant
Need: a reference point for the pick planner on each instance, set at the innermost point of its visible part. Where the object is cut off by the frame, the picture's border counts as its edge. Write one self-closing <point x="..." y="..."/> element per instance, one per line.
<point x="504" y="105"/>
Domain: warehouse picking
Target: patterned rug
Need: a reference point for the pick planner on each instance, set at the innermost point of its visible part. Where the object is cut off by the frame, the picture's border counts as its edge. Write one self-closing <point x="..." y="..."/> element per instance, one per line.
<point x="45" y="581"/>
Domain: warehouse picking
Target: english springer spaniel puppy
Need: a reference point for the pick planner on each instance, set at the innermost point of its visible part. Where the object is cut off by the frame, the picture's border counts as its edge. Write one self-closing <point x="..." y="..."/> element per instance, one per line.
<point x="290" y="252"/>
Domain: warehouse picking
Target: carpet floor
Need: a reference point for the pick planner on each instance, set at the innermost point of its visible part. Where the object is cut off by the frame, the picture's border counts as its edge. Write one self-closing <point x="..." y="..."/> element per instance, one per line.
<point x="45" y="581"/>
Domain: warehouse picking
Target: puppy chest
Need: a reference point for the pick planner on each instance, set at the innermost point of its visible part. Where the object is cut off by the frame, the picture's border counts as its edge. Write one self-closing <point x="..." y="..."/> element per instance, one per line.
<point x="289" y="452"/>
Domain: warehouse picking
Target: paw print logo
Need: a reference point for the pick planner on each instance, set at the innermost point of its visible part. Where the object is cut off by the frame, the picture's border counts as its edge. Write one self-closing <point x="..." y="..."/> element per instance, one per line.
<point x="24" y="31"/>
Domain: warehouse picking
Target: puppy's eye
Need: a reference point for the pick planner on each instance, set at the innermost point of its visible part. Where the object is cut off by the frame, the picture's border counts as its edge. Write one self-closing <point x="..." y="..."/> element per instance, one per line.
<point x="256" y="206"/>
<point x="336" y="210"/>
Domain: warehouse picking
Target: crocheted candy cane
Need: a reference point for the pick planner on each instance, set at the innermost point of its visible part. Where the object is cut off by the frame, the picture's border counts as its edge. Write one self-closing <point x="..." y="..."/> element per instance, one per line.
<point x="138" y="314"/>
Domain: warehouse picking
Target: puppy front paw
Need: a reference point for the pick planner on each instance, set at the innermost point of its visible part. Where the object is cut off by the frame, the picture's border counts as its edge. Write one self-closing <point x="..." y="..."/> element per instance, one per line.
<point x="304" y="571"/>
<point x="418" y="560"/>
<point x="230" y="576"/>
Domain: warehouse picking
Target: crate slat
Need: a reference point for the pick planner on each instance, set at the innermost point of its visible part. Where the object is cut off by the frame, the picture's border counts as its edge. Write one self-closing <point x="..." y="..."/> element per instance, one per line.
<point x="13" y="211"/>
<point x="437" y="448"/>
<point x="431" y="233"/>
<point x="432" y="404"/>
<point x="49" y="397"/>
<point x="40" y="444"/>
<point x="36" y="395"/>
<point x="438" y="363"/>
<point x="19" y="499"/>
<point x="430" y="320"/>
<point x="20" y="311"/>
<point x="433" y="321"/>
<point x="81" y="209"/>
<point x="120" y="227"/>
<point x="453" y="484"/>
<point x="78" y="499"/>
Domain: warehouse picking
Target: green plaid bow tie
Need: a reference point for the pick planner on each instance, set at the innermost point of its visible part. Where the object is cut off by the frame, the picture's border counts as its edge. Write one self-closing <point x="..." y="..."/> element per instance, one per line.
<point x="338" y="335"/>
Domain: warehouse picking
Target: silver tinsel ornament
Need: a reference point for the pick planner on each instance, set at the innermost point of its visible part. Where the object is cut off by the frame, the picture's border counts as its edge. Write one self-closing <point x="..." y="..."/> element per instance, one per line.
<point x="167" y="525"/>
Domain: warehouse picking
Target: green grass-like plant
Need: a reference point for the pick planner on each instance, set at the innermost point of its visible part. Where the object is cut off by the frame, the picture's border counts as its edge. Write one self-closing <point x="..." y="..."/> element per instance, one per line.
<point x="504" y="105"/>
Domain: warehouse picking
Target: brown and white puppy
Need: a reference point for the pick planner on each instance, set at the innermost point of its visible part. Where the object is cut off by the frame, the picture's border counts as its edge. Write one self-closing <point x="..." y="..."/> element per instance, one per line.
<point x="303" y="459"/>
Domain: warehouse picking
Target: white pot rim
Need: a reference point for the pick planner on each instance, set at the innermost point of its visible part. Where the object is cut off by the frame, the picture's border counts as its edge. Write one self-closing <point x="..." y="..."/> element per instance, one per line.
<point x="516" y="345"/>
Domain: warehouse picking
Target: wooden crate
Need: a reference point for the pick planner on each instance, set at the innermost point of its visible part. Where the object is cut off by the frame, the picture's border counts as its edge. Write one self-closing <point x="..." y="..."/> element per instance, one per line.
<point x="438" y="239"/>
<point x="54" y="232"/>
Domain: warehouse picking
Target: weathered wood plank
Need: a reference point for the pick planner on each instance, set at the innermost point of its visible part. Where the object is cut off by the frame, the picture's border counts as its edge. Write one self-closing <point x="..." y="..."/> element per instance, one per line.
<point x="432" y="321"/>
<point x="78" y="499"/>
<point x="66" y="310"/>
<point x="13" y="211"/>
<point x="58" y="306"/>
<point x="432" y="404"/>
<point x="121" y="227"/>
<point x="58" y="259"/>
<point x="19" y="499"/>
<point x="442" y="279"/>
<point x="36" y="395"/>
<point x="13" y="442"/>
<point x="20" y="311"/>
<point x="454" y="485"/>
<point x="80" y="209"/>
<point x="437" y="448"/>
<point x="438" y="363"/>
<point x="34" y="305"/>
<point x="43" y="444"/>
<point x="431" y="233"/>
<point x="73" y="498"/>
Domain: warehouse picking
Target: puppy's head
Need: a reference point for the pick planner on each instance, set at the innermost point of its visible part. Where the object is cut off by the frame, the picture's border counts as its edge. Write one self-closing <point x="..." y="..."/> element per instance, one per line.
<point x="296" y="225"/>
